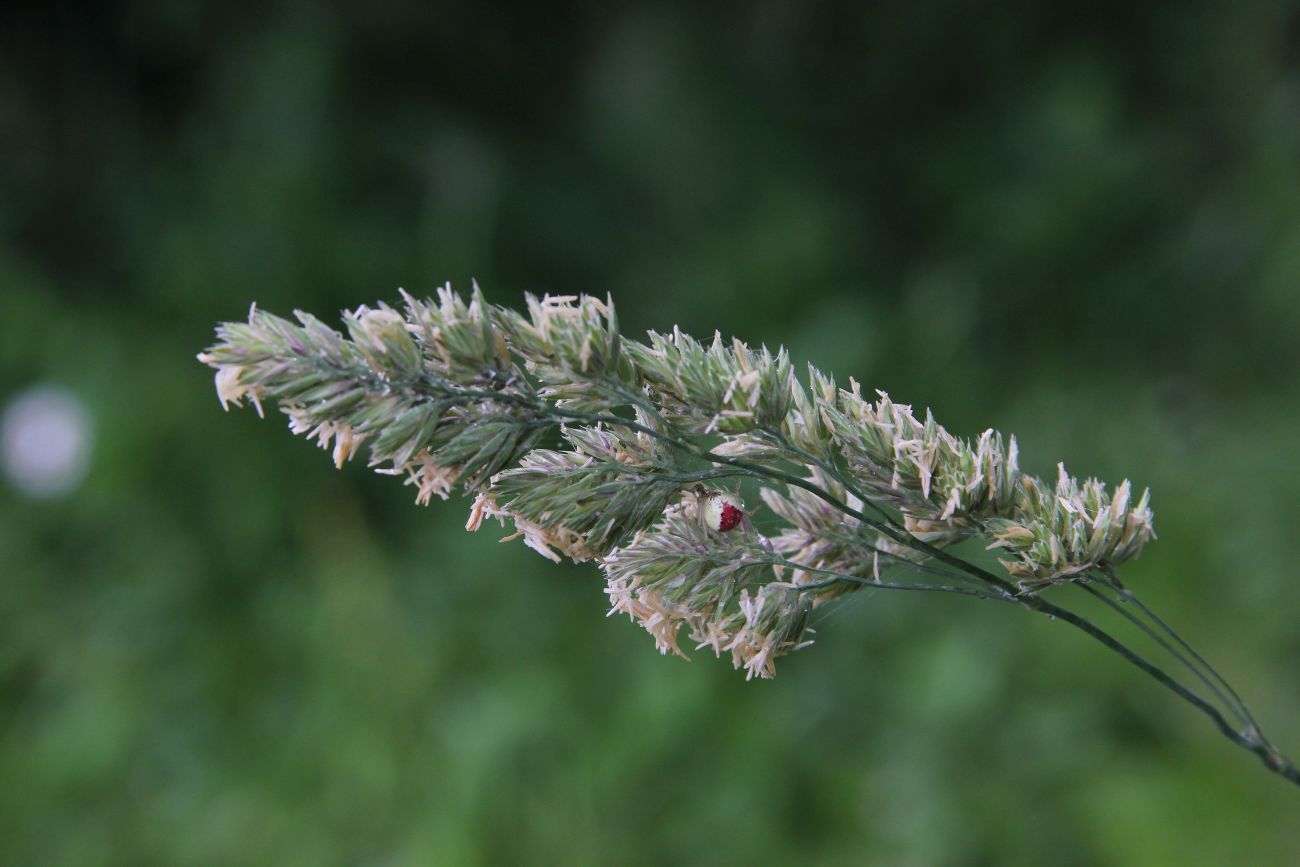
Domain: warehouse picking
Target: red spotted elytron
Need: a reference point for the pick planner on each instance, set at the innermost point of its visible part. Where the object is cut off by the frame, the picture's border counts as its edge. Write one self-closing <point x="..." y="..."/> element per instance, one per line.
<point x="720" y="511"/>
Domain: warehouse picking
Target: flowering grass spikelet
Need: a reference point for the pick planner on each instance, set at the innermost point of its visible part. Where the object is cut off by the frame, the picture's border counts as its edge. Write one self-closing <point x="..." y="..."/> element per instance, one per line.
<point x="638" y="456"/>
<point x="454" y="393"/>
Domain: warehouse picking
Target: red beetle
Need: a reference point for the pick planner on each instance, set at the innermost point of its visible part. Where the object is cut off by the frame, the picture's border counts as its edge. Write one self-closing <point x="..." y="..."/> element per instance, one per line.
<point x="720" y="511"/>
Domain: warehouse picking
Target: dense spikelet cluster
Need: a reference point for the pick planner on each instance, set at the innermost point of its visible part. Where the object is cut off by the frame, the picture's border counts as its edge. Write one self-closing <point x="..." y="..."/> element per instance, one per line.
<point x="1054" y="533"/>
<point x="424" y="413"/>
<point x="459" y="341"/>
<point x="724" y="589"/>
<point x="602" y="448"/>
<point x="943" y="485"/>
<point x="818" y="536"/>
<point x="571" y="345"/>
<point x="722" y="388"/>
<point x="609" y="486"/>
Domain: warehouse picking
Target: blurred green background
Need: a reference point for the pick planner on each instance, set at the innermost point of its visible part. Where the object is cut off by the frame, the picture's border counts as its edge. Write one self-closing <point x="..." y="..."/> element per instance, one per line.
<point x="1079" y="224"/>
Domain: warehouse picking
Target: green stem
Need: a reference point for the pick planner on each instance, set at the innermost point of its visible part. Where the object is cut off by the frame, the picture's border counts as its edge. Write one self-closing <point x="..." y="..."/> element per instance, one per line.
<point x="842" y="577"/>
<point x="1128" y="596"/>
<point x="1170" y="649"/>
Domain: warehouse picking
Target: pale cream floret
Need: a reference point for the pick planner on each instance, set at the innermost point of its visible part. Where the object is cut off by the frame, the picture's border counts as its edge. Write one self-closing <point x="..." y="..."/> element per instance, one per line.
<point x="430" y="478"/>
<point x="346" y="441"/>
<point x="544" y="540"/>
<point x="375" y="322"/>
<point x="714" y="634"/>
<point x="230" y="389"/>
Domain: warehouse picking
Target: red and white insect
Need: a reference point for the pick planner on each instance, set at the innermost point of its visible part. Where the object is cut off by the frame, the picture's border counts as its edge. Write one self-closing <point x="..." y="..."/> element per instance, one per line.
<point x="720" y="511"/>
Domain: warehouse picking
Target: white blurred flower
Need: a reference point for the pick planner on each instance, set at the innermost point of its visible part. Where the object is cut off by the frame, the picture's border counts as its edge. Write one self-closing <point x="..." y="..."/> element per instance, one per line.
<point x="45" y="439"/>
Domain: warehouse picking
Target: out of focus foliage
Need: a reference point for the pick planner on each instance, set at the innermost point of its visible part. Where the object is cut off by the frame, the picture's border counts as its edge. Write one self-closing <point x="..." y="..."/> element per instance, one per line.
<point x="1080" y="224"/>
